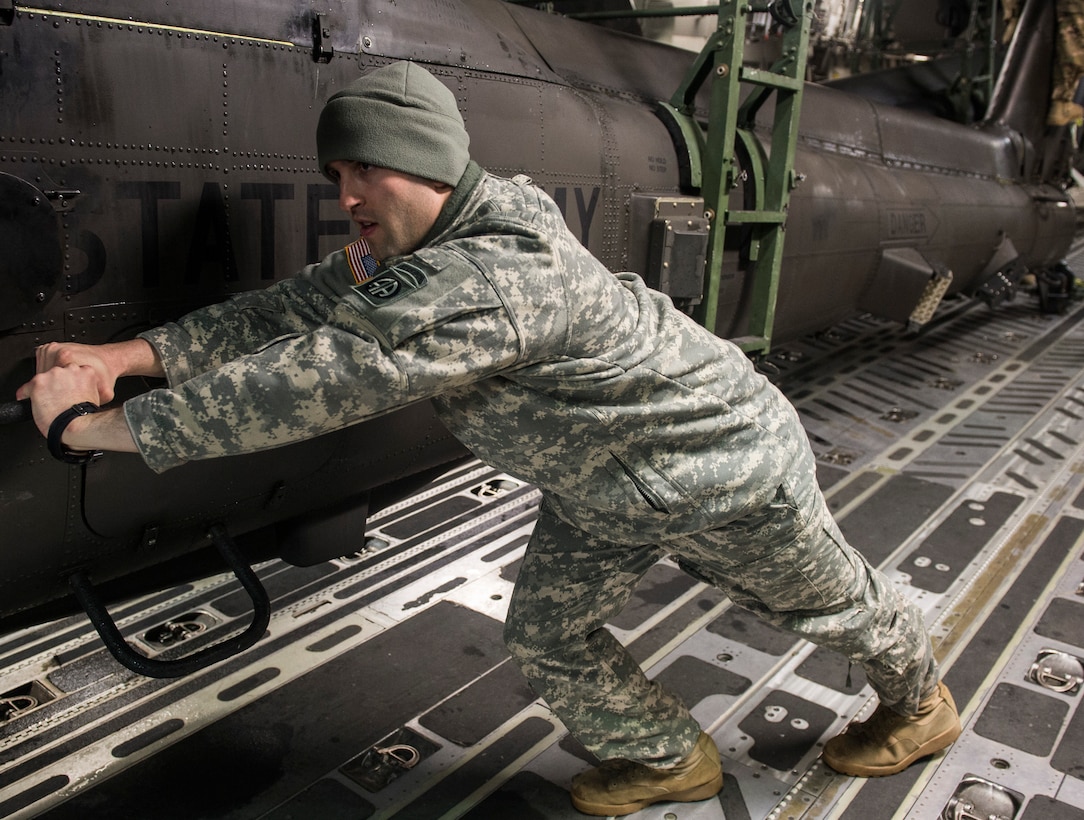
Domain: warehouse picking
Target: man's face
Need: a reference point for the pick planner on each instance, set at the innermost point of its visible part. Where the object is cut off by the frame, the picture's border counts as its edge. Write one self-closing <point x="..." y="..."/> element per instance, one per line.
<point x="393" y="210"/>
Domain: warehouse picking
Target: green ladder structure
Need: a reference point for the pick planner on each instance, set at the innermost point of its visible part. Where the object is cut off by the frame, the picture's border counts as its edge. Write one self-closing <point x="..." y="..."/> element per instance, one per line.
<point x="713" y="158"/>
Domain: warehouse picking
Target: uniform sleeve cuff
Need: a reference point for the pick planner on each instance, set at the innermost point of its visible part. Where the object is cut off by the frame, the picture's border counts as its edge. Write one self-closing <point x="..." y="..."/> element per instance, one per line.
<point x="152" y="445"/>
<point x="172" y="345"/>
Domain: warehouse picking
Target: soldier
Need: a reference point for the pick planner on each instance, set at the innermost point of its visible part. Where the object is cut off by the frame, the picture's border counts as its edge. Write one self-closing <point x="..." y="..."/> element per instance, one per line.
<point x="646" y="434"/>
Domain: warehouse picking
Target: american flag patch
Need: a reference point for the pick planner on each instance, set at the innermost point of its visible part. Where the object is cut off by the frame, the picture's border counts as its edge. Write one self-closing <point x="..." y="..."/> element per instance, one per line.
<point x="361" y="261"/>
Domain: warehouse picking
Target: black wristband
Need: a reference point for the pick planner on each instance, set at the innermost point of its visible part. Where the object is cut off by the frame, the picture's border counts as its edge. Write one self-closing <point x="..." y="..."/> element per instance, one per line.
<point x="56" y="432"/>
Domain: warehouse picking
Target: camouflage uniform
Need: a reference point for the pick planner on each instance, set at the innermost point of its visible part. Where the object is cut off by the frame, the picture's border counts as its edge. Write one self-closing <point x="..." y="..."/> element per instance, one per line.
<point x="645" y="434"/>
<point x="1065" y="107"/>
<point x="1068" y="67"/>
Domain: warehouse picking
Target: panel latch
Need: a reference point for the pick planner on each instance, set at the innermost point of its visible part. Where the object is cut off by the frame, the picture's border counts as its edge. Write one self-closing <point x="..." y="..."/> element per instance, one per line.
<point x="322" y="52"/>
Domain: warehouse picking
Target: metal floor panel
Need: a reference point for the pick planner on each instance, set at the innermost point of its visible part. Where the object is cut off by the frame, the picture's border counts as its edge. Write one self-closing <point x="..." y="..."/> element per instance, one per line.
<point x="953" y="459"/>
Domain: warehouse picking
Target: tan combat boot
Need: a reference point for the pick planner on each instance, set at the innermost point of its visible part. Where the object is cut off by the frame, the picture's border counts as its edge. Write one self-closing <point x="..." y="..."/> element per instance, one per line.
<point x="623" y="786"/>
<point x="890" y="742"/>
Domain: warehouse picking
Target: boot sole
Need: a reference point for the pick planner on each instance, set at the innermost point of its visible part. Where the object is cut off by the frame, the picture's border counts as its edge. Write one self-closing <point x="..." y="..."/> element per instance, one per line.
<point x="702" y="792"/>
<point x="930" y="747"/>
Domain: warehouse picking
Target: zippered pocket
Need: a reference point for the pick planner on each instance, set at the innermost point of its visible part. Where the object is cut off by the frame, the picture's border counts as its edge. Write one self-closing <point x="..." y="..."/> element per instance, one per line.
<point x="649" y="493"/>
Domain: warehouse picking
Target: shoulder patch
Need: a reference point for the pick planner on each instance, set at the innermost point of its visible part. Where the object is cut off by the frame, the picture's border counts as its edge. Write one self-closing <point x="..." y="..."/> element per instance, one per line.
<point x="361" y="261"/>
<point x="394" y="283"/>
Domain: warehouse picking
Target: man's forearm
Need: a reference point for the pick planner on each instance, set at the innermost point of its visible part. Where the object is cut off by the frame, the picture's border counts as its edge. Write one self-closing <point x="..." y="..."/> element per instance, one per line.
<point x="106" y="430"/>
<point x="134" y="358"/>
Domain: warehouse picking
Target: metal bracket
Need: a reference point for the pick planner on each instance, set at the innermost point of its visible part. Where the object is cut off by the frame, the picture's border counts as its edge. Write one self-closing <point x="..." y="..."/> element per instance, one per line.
<point x="389" y="759"/>
<point x="7" y="12"/>
<point x="11" y="707"/>
<point x="322" y="52"/>
<point x="401" y="754"/>
<point x="62" y="200"/>
<point x="1057" y="671"/>
<point x="979" y="799"/>
<point x="197" y="661"/>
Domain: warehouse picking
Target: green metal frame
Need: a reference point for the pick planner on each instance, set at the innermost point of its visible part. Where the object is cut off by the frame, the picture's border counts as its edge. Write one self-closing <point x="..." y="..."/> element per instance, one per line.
<point x="730" y="122"/>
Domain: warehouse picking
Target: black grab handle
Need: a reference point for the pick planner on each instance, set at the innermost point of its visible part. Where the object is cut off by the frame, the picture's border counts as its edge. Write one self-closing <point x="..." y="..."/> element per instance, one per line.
<point x="15" y="411"/>
<point x="178" y="667"/>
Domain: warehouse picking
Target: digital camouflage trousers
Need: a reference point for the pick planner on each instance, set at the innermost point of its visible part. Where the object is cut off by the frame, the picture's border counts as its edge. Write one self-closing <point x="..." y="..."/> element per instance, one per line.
<point x="788" y="563"/>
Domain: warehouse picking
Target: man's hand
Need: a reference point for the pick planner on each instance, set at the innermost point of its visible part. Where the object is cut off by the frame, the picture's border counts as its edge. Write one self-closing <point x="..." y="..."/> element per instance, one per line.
<point x="62" y="355"/>
<point x="71" y="373"/>
<point x="58" y="388"/>
<point x="109" y="362"/>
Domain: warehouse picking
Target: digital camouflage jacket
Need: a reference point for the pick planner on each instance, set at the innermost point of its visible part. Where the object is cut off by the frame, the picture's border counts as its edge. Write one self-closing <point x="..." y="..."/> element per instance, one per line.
<point x="636" y="423"/>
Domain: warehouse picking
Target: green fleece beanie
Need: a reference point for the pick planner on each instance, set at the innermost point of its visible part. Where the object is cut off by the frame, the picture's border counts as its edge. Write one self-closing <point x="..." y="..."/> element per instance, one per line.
<point x="400" y="117"/>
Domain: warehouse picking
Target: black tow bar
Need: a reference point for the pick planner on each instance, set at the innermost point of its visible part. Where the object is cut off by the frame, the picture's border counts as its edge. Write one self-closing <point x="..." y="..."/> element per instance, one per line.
<point x="201" y="659"/>
<point x="15" y="411"/>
